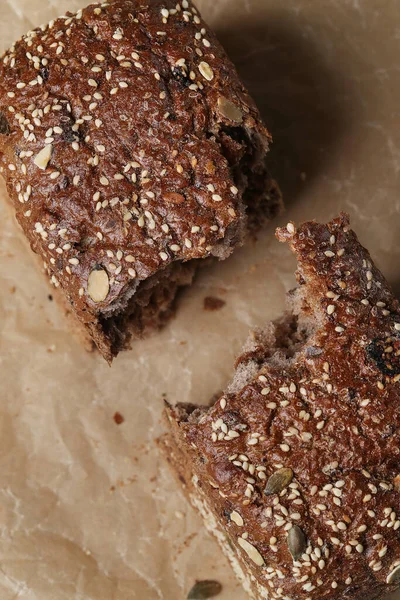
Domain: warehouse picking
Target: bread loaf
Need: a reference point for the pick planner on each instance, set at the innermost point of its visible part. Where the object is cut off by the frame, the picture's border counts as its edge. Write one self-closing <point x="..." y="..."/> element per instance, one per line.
<point x="296" y="467"/>
<point x="131" y="151"/>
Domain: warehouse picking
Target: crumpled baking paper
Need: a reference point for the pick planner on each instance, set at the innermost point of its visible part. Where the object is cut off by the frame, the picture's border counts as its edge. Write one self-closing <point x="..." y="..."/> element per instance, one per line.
<point x="88" y="510"/>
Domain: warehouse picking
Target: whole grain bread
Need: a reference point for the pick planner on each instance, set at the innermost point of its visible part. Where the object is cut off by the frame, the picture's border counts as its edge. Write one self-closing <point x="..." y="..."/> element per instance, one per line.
<point x="130" y="150"/>
<point x="296" y="467"/>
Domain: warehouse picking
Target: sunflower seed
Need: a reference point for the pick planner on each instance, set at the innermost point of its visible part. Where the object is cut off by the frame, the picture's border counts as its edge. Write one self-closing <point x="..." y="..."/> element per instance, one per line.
<point x="236" y="518"/>
<point x="206" y="71"/>
<point x="297" y="542"/>
<point x="278" y="481"/>
<point x="42" y="159"/>
<point x="98" y="285"/>
<point x="394" y="575"/>
<point x="251" y="552"/>
<point x="204" y="589"/>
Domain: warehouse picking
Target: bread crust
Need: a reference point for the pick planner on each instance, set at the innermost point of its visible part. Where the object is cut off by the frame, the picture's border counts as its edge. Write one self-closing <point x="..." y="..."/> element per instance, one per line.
<point x="299" y="459"/>
<point x="127" y="143"/>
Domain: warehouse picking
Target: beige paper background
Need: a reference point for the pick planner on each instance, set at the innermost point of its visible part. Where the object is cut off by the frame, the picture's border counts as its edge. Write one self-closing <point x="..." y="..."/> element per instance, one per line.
<point x="88" y="510"/>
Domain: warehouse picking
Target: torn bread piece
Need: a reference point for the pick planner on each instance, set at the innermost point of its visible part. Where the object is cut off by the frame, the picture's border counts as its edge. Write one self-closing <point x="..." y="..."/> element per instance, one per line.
<point x="131" y="152"/>
<point x="296" y="467"/>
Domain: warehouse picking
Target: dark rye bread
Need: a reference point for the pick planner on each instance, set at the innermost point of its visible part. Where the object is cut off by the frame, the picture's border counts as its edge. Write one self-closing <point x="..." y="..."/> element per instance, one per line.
<point x="296" y="467"/>
<point x="130" y="150"/>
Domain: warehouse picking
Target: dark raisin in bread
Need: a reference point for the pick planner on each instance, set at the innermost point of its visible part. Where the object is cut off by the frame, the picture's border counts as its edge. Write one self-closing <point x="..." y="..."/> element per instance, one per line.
<point x="296" y="467"/>
<point x="131" y="150"/>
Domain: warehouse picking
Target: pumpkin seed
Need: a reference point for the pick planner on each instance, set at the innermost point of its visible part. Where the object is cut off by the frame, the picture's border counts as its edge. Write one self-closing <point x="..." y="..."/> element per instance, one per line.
<point x="229" y="110"/>
<point x="4" y="126"/>
<point x="297" y="542"/>
<point x="278" y="481"/>
<point x="394" y="575"/>
<point x="204" y="589"/>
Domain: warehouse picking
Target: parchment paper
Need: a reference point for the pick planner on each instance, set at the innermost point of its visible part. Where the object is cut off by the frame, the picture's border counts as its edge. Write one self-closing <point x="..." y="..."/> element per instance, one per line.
<point x="87" y="508"/>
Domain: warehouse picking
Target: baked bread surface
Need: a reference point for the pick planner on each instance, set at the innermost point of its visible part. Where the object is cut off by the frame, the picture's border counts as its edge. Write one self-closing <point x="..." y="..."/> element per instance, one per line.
<point x="296" y="467"/>
<point x="129" y="146"/>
